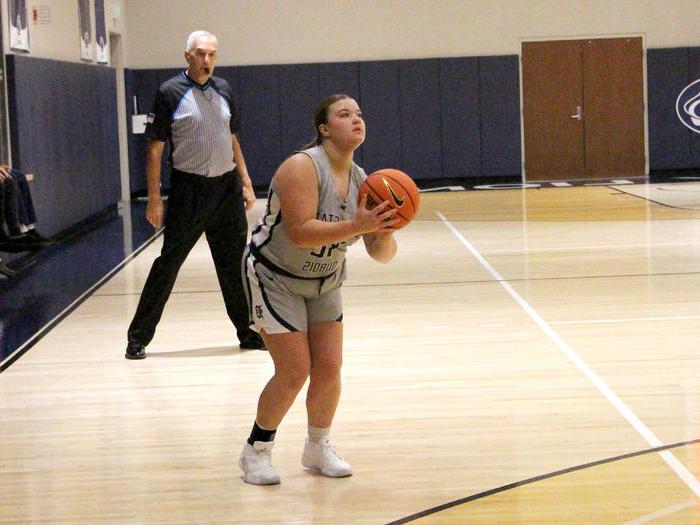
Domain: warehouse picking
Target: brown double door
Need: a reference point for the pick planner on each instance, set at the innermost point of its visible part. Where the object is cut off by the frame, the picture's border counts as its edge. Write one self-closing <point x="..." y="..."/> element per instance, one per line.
<point x="583" y="109"/>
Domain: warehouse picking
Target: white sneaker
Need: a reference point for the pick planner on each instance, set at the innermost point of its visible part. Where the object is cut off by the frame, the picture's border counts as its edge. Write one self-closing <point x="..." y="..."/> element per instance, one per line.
<point x="255" y="464"/>
<point x="324" y="459"/>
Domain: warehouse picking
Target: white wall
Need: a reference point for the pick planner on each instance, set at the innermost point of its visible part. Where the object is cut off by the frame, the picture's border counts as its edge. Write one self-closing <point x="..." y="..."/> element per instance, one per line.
<point x="288" y="31"/>
<point x="59" y="39"/>
<point x="291" y="31"/>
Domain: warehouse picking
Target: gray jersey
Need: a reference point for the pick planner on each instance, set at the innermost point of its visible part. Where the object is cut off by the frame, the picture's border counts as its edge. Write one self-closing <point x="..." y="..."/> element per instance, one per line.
<point x="270" y="243"/>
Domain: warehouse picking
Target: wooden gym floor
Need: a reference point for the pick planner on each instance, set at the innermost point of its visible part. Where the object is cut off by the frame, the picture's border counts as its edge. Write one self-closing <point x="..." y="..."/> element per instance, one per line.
<point x="530" y="356"/>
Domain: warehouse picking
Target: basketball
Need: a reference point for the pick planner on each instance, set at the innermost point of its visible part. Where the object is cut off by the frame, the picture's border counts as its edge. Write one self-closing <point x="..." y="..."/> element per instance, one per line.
<point x="395" y="187"/>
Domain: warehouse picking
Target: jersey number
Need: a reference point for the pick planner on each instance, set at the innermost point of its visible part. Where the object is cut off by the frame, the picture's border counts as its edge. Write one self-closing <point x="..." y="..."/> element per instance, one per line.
<point x="325" y="251"/>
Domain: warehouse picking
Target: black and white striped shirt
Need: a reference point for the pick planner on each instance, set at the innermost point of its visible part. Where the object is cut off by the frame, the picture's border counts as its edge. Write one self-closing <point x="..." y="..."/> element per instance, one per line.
<point x="197" y="120"/>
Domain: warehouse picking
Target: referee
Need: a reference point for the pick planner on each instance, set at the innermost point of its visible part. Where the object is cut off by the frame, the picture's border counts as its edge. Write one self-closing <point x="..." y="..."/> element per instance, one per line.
<point x="210" y="190"/>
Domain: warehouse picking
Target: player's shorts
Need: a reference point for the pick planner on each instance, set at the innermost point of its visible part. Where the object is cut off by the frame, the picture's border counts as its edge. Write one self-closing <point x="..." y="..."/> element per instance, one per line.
<point x="280" y="304"/>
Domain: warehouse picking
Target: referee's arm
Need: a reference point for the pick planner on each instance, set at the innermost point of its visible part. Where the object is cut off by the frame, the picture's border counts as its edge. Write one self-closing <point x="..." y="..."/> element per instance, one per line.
<point x="154" y="208"/>
<point x="248" y="193"/>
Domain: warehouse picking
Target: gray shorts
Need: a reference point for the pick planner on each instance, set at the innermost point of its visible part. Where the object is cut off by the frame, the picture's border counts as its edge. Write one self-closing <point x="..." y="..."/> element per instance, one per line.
<point x="279" y="304"/>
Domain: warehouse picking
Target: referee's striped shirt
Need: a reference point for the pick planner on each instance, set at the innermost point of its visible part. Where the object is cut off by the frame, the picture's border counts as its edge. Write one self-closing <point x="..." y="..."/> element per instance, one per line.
<point x="197" y="120"/>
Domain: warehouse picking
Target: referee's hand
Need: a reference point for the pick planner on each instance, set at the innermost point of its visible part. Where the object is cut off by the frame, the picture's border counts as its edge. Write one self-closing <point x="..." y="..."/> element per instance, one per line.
<point x="154" y="211"/>
<point x="248" y="197"/>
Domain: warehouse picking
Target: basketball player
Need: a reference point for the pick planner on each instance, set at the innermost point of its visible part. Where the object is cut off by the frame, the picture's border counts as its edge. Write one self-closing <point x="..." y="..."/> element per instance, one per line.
<point x="294" y="266"/>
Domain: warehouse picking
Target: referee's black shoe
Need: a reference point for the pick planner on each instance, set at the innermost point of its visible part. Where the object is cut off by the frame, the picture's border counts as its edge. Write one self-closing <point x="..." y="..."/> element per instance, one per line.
<point x="18" y="245"/>
<point x="135" y="351"/>
<point x="39" y="239"/>
<point x="252" y="341"/>
<point x="5" y="270"/>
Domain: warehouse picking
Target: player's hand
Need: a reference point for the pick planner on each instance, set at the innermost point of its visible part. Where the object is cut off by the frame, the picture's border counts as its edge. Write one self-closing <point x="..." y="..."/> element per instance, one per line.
<point x="154" y="211"/>
<point x="381" y="218"/>
<point x="5" y="172"/>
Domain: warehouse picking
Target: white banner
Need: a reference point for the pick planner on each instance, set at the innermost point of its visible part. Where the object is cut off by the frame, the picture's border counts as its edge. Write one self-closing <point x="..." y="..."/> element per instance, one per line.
<point x="19" y="26"/>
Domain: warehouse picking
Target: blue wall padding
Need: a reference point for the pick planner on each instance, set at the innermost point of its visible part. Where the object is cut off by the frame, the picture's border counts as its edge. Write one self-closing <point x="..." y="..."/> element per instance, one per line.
<point x="299" y="96"/>
<point x="144" y="84"/>
<point x="421" y="148"/>
<point x="434" y="118"/>
<point x="261" y="132"/>
<point x="64" y="130"/>
<point x="499" y="85"/>
<point x="129" y="80"/>
<point x="694" y="74"/>
<point x="427" y="117"/>
<point x="339" y="77"/>
<point x="335" y="78"/>
<point x="233" y="77"/>
<point x="669" y="139"/>
<point x="380" y="102"/>
<point x="460" y="117"/>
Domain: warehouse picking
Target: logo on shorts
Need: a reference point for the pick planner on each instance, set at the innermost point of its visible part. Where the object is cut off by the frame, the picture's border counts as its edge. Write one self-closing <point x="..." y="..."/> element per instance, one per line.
<point x="399" y="202"/>
<point x="258" y="311"/>
<point x="688" y="106"/>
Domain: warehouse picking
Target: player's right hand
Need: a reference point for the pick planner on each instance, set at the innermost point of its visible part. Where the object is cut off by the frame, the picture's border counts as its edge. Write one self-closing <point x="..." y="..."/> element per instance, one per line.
<point x="381" y="218"/>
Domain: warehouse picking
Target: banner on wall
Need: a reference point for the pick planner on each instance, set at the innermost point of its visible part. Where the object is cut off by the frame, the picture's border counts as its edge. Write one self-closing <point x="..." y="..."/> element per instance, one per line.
<point x="85" y="28"/>
<point x="101" y="40"/>
<point x="19" y="28"/>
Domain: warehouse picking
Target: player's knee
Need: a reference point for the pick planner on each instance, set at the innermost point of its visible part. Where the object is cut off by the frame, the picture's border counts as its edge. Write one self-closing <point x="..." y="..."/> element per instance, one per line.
<point x="293" y="379"/>
<point x="326" y="367"/>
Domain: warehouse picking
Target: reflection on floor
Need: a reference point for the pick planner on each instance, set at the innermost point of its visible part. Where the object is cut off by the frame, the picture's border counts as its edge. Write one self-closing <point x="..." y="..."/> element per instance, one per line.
<point x="36" y="299"/>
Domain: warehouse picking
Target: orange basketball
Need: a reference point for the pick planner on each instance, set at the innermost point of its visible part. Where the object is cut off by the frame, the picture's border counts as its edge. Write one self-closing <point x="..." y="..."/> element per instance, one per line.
<point x="395" y="187"/>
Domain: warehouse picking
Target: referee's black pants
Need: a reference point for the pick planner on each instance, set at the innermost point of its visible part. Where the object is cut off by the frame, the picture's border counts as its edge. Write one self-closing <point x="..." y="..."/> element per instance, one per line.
<point x="196" y="205"/>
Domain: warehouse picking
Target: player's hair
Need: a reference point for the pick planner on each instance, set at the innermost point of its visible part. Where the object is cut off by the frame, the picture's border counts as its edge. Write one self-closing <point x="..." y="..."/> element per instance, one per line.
<point x="194" y="36"/>
<point x="321" y="116"/>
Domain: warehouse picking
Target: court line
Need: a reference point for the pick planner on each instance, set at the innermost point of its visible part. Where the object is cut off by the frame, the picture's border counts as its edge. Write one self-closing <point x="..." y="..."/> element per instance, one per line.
<point x="492" y="281"/>
<point x="541" y="477"/>
<point x="604" y="389"/>
<point x="21" y="350"/>
<point x="628" y="320"/>
<point x="595" y="247"/>
<point x="521" y="279"/>
<point x="662" y="513"/>
<point x="653" y="201"/>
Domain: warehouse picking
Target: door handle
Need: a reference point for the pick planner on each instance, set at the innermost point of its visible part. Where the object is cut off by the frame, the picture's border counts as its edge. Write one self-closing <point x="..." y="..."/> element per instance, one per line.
<point x="579" y="114"/>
